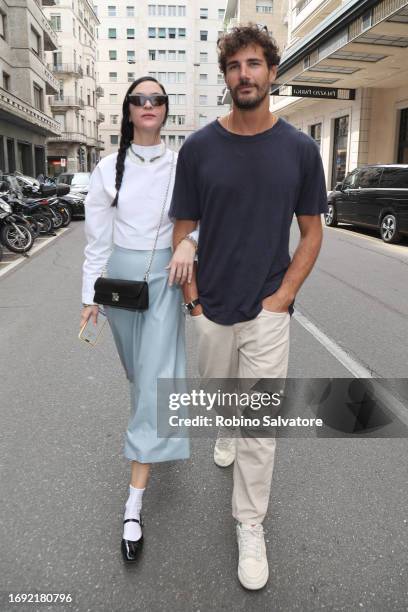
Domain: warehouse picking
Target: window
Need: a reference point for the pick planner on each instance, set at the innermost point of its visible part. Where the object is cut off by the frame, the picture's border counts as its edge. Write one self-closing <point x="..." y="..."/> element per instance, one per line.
<point x="264" y="6"/>
<point x="394" y="178"/>
<point x="161" y="10"/>
<point x="203" y="57"/>
<point x="111" y="11"/>
<point x="172" y="56"/>
<point x="113" y="98"/>
<point x="152" y="55"/>
<point x="220" y="79"/>
<point x="38" y="97"/>
<point x="130" y="77"/>
<point x="172" y="77"/>
<point x="130" y="11"/>
<point x="73" y="27"/>
<point x="114" y="139"/>
<point x="203" y="35"/>
<point x="203" y="100"/>
<point x="203" y="13"/>
<point x="221" y="13"/>
<point x="181" y="140"/>
<point x="172" y="140"/>
<point x="219" y="100"/>
<point x="181" y="77"/>
<point x="172" y="11"/>
<point x="130" y="33"/>
<point x="55" y="21"/>
<point x="112" y="33"/>
<point x="3" y="21"/>
<point x="114" y="119"/>
<point x="113" y="77"/>
<point x="163" y="77"/>
<point x="181" y="56"/>
<point x="6" y="81"/>
<point x="162" y="32"/>
<point x="316" y="133"/>
<point x="181" y="119"/>
<point x="203" y="78"/>
<point x="151" y="10"/>
<point x="151" y="32"/>
<point x="162" y="55"/>
<point x="182" y="32"/>
<point x="172" y="99"/>
<point x="113" y="54"/>
<point x="181" y="11"/>
<point x="131" y="56"/>
<point x="368" y="178"/>
<point x="203" y="120"/>
<point x="172" y="32"/>
<point x="61" y="120"/>
<point x="35" y="42"/>
<point x="367" y="20"/>
<point x="181" y="99"/>
<point x="350" y="180"/>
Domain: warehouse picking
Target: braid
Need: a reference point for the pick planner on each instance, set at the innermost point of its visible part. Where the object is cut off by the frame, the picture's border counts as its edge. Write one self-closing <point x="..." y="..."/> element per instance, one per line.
<point x="125" y="140"/>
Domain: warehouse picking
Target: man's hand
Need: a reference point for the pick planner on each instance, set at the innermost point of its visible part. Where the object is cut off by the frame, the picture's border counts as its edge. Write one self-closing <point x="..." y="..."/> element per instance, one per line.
<point x="181" y="264"/>
<point x="277" y="302"/>
<point x="197" y="311"/>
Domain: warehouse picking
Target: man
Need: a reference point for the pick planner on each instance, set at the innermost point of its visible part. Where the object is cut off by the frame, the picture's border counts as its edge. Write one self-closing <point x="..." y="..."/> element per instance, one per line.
<point x="243" y="177"/>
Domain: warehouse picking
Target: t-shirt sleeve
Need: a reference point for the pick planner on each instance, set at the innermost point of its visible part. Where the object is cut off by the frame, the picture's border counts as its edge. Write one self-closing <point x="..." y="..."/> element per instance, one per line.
<point x="312" y="198"/>
<point x="185" y="203"/>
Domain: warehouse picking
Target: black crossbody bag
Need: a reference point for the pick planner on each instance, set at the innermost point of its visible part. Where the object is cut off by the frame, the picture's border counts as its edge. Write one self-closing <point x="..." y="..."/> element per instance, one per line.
<point x="128" y="294"/>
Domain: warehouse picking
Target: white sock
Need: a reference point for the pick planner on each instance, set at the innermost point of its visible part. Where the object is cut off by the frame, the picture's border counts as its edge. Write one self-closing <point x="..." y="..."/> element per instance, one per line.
<point x="132" y="531"/>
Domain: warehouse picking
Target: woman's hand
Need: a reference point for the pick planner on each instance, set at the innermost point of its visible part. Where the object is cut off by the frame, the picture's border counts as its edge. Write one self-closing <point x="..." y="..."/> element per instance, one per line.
<point x="87" y="312"/>
<point x="181" y="264"/>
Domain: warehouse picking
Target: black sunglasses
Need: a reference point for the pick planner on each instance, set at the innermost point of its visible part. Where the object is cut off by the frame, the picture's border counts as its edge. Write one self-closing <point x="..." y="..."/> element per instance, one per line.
<point x="141" y="99"/>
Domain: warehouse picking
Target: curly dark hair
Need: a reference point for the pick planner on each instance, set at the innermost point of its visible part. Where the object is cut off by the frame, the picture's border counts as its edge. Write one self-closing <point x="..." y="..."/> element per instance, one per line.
<point x="242" y="36"/>
<point x="126" y="133"/>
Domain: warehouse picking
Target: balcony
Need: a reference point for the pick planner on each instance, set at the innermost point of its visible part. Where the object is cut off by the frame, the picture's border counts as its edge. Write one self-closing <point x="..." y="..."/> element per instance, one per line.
<point x="26" y="115"/>
<point x="48" y="3"/>
<point x="100" y="145"/>
<point x="73" y="69"/>
<point x="50" y="35"/>
<point x="74" y="137"/>
<point x="99" y="92"/>
<point x="51" y="83"/>
<point x="307" y="14"/>
<point x="100" y="118"/>
<point x="65" y="102"/>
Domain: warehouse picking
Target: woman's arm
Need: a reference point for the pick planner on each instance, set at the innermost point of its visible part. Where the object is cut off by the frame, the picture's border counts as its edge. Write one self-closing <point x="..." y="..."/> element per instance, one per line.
<point x="99" y="215"/>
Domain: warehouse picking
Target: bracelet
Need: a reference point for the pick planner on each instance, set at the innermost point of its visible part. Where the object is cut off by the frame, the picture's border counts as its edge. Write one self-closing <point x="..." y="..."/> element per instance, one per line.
<point x="191" y="239"/>
<point x="86" y="305"/>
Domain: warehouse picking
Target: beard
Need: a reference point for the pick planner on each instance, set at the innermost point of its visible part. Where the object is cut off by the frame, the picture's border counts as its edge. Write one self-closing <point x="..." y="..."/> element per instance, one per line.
<point x="249" y="102"/>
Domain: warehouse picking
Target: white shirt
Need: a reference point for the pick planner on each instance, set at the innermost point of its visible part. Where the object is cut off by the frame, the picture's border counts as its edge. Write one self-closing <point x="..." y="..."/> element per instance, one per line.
<point x="133" y="224"/>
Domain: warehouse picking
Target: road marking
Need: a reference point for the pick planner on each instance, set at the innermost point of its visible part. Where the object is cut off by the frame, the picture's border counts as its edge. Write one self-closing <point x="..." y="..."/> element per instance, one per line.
<point x="35" y="249"/>
<point x="357" y="369"/>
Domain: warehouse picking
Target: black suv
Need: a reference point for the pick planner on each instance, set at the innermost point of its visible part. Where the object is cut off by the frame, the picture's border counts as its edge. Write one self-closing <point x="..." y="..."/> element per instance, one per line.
<point x="372" y="196"/>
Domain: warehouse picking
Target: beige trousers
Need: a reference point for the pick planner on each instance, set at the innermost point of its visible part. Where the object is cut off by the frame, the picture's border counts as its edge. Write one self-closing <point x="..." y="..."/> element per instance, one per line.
<point x="253" y="349"/>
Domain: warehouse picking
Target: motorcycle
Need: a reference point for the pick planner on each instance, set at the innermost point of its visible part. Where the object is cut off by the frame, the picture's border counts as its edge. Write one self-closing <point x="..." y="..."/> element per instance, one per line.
<point x="15" y="232"/>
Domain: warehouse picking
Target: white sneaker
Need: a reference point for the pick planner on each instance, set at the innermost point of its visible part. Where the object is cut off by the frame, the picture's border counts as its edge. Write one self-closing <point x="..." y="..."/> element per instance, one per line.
<point x="253" y="571"/>
<point x="224" y="451"/>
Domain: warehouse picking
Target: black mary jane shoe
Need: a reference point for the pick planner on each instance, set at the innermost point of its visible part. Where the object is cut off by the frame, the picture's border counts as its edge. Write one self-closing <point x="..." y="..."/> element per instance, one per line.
<point x="131" y="549"/>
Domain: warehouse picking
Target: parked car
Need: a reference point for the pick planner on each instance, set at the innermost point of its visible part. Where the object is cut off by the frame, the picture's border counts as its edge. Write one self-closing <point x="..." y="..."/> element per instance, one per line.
<point x="372" y="196"/>
<point x="78" y="181"/>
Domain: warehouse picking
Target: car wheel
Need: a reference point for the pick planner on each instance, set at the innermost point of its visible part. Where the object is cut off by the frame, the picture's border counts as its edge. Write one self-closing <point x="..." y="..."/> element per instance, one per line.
<point x="389" y="229"/>
<point x="330" y="217"/>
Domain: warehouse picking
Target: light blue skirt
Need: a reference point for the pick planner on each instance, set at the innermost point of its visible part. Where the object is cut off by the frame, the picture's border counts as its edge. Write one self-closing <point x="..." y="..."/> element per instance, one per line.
<point x="151" y="345"/>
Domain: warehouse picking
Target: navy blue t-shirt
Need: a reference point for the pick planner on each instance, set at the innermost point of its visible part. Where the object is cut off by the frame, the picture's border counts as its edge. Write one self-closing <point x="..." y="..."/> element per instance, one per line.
<point x="244" y="190"/>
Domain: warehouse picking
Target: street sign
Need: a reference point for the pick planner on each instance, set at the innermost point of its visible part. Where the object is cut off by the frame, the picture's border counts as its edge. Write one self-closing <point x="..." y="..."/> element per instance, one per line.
<point x="311" y="91"/>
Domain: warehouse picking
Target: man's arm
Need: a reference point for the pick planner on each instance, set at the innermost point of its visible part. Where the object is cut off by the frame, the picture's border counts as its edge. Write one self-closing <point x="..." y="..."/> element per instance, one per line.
<point x="311" y="235"/>
<point x="190" y="290"/>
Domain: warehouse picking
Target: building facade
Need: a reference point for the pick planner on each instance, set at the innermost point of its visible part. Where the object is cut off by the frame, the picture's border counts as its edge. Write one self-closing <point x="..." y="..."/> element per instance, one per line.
<point x="173" y="41"/>
<point x="25" y="83"/>
<point x="348" y="61"/>
<point x="74" y="104"/>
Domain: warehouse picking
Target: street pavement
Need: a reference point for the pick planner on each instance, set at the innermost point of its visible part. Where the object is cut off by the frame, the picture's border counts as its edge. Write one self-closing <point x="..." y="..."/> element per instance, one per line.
<point x="337" y="526"/>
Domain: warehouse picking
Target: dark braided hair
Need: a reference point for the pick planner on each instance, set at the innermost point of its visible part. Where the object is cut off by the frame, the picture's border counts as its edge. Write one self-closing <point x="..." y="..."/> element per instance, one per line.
<point x="126" y="133"/>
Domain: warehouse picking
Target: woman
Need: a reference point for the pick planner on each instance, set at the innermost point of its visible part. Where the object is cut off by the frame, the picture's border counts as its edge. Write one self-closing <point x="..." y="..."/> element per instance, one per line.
<point x="129" y="193"/>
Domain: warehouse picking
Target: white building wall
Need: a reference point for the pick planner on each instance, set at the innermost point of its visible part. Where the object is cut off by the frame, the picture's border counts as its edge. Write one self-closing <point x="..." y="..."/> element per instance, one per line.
<point x="193" y="99"/>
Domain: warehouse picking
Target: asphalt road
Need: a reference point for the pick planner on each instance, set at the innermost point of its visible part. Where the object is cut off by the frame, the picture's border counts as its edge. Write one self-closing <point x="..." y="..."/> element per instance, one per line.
<point x="337" y="527"/>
